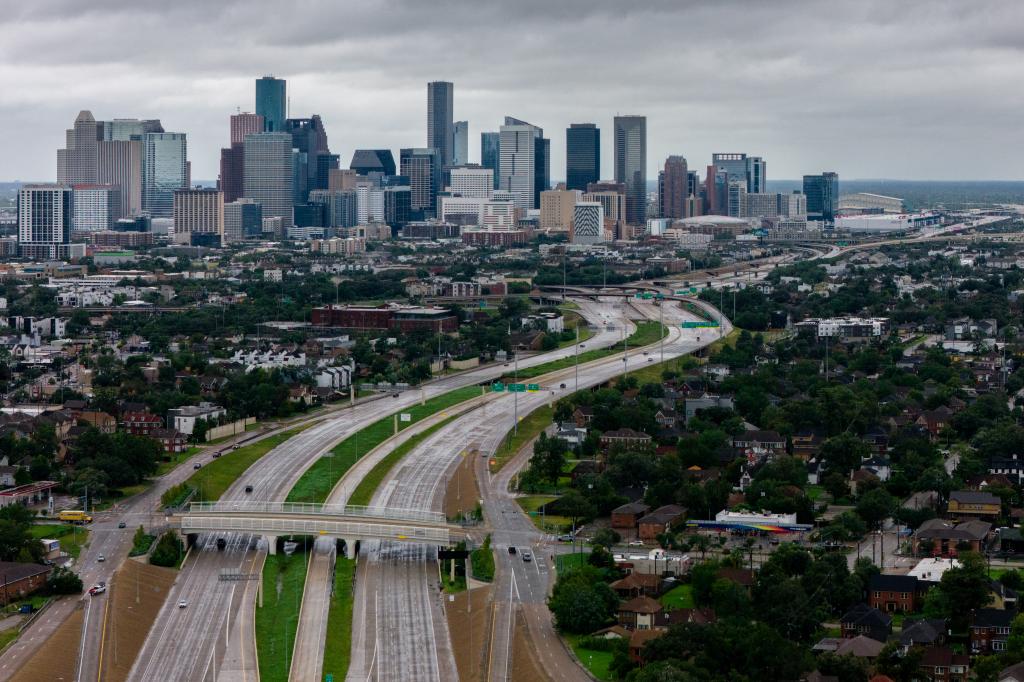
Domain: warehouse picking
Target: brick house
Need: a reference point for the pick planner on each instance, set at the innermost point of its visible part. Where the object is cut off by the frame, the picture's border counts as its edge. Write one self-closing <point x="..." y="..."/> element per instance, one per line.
<point x="934" y="421"/>
<point x="866" y="620"/>
<point x="628" y="516"/>
<point x="21" y="579"/>
<point x="891" y="593"/>
<point x="583" y="415"/>
<point x="624" y="437"/>
<point x="939" y="664"/>
<point x="172" y="441"/>
<point x="638" y="585"/>
<point x="990" y="629"/>
<point x="141" y="423"/>
<point x="101" y="420"/>
<point x="973" y="504"/>
<point x="946" y="538"/>
<point x="660" y="521"/>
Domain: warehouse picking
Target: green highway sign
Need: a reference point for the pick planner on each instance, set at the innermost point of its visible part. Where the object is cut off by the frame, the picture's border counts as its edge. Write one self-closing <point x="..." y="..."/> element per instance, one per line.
<point x="497" y="387"/>
<point x="533" y="388"/>
<point x="699" y="325"/>
<point x="517" y="388"/>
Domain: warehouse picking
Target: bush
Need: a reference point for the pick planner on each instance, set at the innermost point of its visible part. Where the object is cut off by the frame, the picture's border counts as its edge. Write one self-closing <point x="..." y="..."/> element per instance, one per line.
<point x="63" y="581"/>
<point x="141" y="542"/>
<point x="169" y="548"/>
<point x="483" y="561"/>
<point x="176" y="495"/>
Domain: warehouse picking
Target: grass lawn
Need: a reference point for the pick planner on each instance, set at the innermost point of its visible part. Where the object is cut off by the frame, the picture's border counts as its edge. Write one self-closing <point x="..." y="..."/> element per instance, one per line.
<point x="8" y="636"/>
<point x="284" y="578"/>
<point x="529" y="428"/>
<point x="547" y="523"/>
<point x="339" y="620"/>
<point x="567" y="562"/>
<point x="318" y="481"/>
<point x="72" y="538"/>
<point x="646" y="333"/>
<point x="679" y="597"/>
<point x="814" y="492"/>
<point x="368" y="486"/>
<point x="597" y="662"/>
<point x="176" y="459"/>
<point x="217" y="475"/>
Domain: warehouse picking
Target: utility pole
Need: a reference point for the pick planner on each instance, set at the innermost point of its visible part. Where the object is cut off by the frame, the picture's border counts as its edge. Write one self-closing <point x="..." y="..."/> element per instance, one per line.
<point x="661" y="323"/>
<point x="515" y="399"/>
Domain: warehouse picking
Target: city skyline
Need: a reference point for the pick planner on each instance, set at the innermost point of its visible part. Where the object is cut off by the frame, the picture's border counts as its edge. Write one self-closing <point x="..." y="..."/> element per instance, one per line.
<point x="762" y="99"/>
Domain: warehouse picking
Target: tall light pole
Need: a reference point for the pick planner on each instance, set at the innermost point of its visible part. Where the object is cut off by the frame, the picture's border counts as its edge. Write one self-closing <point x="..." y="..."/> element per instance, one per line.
<point x="578" y="347"/>
<point x="515" y="399"/>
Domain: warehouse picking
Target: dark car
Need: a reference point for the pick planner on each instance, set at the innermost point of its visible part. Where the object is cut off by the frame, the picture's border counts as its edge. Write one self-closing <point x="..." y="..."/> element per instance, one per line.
<point x="561" y="385"/>
<point x="122" y="524"/>
<point x="221" y="544"/>
<point x="216" y="454"/>
<point x="248" y="488"/>
<point x="197" y="465"/>
<point x="511" y="549"/>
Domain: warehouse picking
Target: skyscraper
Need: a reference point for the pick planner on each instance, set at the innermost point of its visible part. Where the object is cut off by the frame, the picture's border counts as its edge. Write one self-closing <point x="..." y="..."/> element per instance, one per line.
<point x="232" y="172"/>
<point x="440" y="126"/>
<point x="366" y="161"/>
<point x="164" y="169"/>
<point x="119" y="163"/>
<point x="588" y="222"/>
<point x="822" y="192"/>
<point x="460" y="151"/>
<point x="310" y="139"/>
<point x="582" y="155"/>
<point x="272" y="102"/>
<point x="245" y="124"/>
<point x="44" y="220"/>
<point x="471" y="181"/>
<point x="673" y="188"/>
<point x="268" y="174"/>
<point x="96" y="207"/>
<point x="76" y="163"/>
<point x="243" y="219"/>
<point x="123" y="129"/>
<point x="757" y="175"/>
<point x="631" y="165"/>
<point x="423" y="168"/>
<point x="198" y="217"/>
<point x="524" y="152"/>
<point x="490" y="155"/>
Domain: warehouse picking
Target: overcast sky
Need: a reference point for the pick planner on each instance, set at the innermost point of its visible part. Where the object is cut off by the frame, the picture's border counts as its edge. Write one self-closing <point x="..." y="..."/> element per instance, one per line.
<point x="868" y="88"/>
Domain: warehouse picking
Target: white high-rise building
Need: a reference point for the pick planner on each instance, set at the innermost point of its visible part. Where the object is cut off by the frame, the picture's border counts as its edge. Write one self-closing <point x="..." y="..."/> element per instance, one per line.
<point x="96" y="207"/>
<point x="472" y="181"/>
<point x="369" y="204"/>
<point x="44" y="220"/>
<point x="461" y="210"/>
<point x="198" y="212"/>
<point x="587" y="222"/>
<point x="518" y="156"/>
<point x="498" y="215"/>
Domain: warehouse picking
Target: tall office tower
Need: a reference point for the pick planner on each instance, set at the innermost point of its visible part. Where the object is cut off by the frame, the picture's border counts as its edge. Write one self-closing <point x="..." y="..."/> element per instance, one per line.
<point x="460" y="142"/>
<point x="757" y="178"/>
<point x="369" y="203"/>
<point x="440" y="126"/>
<point x="198" y="217"/>
<point x="422" y="167"/>
<point x="341" y="179"/>
<point x="490" y="155"/>
<point x="268" y="174"/>
<point x="325" y="163"/>
<point x="96" y="207"/>
<point x="366" y="161"/>
<point x="524" y="153"/>
<point x="310" y="139"/>
<point x="588" y="223"/>
<point x="397" y="203"/>
<point x="822" y="192"/>
<point x="44" y="220"/>
<point x="673" y="188"/>
<point x="556" y="209"/>
<point x="76" y="163"/>
<point x="762" y="205"/>
<point x="119" y="163"/>
<point x="582" y="155"/>
<point x="164" y="169"/>
<point x="124" y="129"/>
<point x="631" y="165"/>
<point x="272" y="103"/>
<point x="471" y="181"/>
<point x="245" y="124"/>
<point x="243" y="219"/>
<point x="232" y="172"/>
<point x="737" y="198"/>
<point x="692" y="183"/>
<point x="341" y="208"/>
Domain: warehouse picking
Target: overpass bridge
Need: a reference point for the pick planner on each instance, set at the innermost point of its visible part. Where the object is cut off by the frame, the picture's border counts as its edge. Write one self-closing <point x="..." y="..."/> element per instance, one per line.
<point x="345" y="522"/>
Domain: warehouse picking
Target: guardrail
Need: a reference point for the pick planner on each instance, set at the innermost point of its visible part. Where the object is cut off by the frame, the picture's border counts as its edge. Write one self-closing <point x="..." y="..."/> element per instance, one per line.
<point x="313" y="509"/>
<point x="342" y="529"/>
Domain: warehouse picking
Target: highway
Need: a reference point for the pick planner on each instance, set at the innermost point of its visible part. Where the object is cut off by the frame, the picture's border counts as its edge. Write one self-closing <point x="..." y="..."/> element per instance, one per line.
<point x="392" y="642"/>
<point x="217" y="622"/>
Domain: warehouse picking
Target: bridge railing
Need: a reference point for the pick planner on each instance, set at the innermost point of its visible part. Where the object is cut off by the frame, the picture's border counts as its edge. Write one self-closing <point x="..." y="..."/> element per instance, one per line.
<point x="329" y="527"/>
<point x="310" y="508"/>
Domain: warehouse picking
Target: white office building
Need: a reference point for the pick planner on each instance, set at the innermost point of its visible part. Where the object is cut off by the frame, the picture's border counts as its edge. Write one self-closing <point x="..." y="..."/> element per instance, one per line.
<point x="472" y="181"/>
<point x="498" y="215"/>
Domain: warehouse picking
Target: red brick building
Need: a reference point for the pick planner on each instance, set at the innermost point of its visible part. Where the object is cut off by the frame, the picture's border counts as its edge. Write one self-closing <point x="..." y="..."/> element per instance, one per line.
<point x="141" y="423"/>
<point x="891" y="593"/>
<point x="628" y="515"/>
<point x="399" y="318"/>
<point x="20" y="580"/>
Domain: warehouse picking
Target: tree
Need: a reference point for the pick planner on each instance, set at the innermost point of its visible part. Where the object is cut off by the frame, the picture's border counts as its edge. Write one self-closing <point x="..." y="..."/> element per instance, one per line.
<point x="574" y="505"/>
<point x="1015" y="642"/>
<point x="605" y="537"/>
<point x="168" y="550"/>
<point x="844" y="452"/>
<point x="581" y="602"/>
<point x="63" y="581"/>
<point x="549" y="458"/>
<point x="875" y="506"/>
<point x="962" y="590"/>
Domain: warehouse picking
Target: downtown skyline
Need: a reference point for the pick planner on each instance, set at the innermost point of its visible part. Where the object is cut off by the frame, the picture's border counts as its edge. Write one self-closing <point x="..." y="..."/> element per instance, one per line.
<point x="893" y="109"/>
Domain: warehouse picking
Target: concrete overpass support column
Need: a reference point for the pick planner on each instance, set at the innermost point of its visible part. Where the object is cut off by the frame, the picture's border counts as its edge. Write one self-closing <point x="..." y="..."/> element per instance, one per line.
<point x="271" y="543"/>
<point x="350" y="548"/>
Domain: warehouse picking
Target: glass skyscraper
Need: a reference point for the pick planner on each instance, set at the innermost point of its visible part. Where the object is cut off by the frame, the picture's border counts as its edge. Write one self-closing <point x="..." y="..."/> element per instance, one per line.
<point x="822" y="192"/>
<point x="440" y="122"/>
<point x="272" y="102"/>
<point x="164" y="169"/>
<point x="269" y="174"/>
<point x="490" y="154"/>
<point x="631" y="165"/>
<point x="582" y="155"/>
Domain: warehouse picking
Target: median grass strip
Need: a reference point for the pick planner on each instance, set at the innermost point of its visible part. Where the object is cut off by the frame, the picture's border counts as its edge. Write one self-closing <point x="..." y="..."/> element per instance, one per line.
<point x="284" y="578"/>
<point x="318" y="481"/>
<point x="363" y="493"/>
<point x="339" y="620"/>
<point x="529" y="428"/>
<point x="646" y="333"/>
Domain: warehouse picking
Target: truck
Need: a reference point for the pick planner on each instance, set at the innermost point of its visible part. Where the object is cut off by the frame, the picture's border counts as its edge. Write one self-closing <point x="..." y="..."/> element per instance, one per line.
<point x="74" y="516"/>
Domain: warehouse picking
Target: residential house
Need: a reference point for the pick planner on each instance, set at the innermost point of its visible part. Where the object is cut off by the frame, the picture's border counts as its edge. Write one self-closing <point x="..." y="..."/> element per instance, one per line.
<point x="1015" y="673"/>
<point x="638" y="585"/>
<point x="939" y="664"/>
<point x="583" y="415"/>
<point x="184" y="418"/>
<point x="758" y="441"/>
<point x="879" y="466"/>
<point x="860" y="646"/>
<point x="807" y="443"/>
<point x="891" y="593"/>
<point x="638" y="640"/>
<point x="100" y="420"/>
<point x="877" y="438"/>
<point x="934" y="421"/>
<point x="1011" y="467"/>
<point x="170" y="440"/>
<point x="866" y="620"/>
<point x="948" y="539"/>
<point x="624" y="437"/>
<point x="693" y="405"/>
<point x="661" y="520"/>
<point x="7" y="474"/>
<point x="638" y="613"/>
<point x="924" y="632"/>
<point x="990" y="629"/>
<point x="973" y="504"/>
<point x="627" y="517"/>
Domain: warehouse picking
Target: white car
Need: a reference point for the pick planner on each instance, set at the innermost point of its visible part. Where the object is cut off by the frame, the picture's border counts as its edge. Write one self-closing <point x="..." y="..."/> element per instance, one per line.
<point x="101" y="558"/>
<point x="182" y="604"/>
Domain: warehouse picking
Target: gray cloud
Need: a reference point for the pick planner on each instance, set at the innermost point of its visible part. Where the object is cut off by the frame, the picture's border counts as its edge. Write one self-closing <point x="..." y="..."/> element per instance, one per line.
<point x="870" y="88"/>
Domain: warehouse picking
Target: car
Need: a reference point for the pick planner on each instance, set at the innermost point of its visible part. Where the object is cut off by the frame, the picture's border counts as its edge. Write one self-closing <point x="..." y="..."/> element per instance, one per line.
<point x="235" y="446"/>
<point x="221" y="544"/>
<point x="394" y="395"/>
<point x="248" y="488"/>
<point x="99" y="588"/>
<point x="650" y="359"/>
<point x="122" y="524"/>
<point x="197" y="465"/>
<point x="636" y="543"/>
<point x="561" y="385"/>
<point x="216" y="454"/>
<point x="101" y="558"/>
<point x="511" y="549"/>
<point x="567" y="538"/>
<point x="527" y="556"/>
<point x="182" y="604"/>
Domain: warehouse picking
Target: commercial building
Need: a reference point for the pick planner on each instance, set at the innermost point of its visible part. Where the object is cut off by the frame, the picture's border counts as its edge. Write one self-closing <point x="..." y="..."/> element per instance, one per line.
<point x="865" y="202"/>
<point x="272" y="103"/>
<point x="243" y="124"/>
<point x="588" y="222"/>
<point x="582" y="155"/>
<point x="673" y="188"/>
<point x="232" y="171"/>
<point x="423" y="168"/>
<point x="369" y="161"/>
<point x="398" y="203"/>
<point x="269" y="174"/>
<point x="164" y="170"/>
<point x="243" y="219"/>
<point x="460" y="210"/>
<point x="612" y="197"/>
<point x="44" y="220"/>
<point x="556" y="209"/>
<point x="525" y="162"/>
<point x="183" y="419"/>
<point x="718" y="226"/>
<point x="393" y="316"/>
<point x="369" y="204"/>
<point x="440" y="121"/>
<point x="631" y="165"/>
<point x="21" y="579"/>
<point x="96" y="207"/>
<point x="822" y="192"/>
<point x="460" y="153"/>
<point x="490" y="155"/>
<point x="471" y="181"/>
<point x="313" y="159"/>
<point x="878" y="223"/>
<point x="846" y="328"/>
<point x="199" y="217"/>
<point x="76" y="163"/>
<point x="119" y="163"/>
